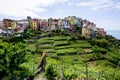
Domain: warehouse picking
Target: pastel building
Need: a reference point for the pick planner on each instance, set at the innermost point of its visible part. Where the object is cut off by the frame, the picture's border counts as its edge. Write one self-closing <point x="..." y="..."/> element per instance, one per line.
<point x="69" y="22"/>
<point x="54" y="24"/>
<point x="85" y="23"/>
<point x="38" y="23"/>
<point x="14" y="24"/>
<point x="7" y="23"/>
<point x="22" y="25"/>
<point x="59" y="23"/>
<point x="49" y="21"/>
<point x="101" y="32"/>
<point x="66" y="24"/>
<point x="44" y="24"/>
<point x="76" y="21"/>
<point x="89" y="29"/>
<point x="86" y="32"/>
<point x="80" y="24"/>
<point x="93" y="29"/>
<point x="33" y="24"/>
<point x="1" y="24"/>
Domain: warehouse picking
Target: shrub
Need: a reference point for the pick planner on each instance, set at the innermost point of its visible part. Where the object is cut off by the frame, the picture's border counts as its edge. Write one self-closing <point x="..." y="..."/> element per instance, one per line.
<point x="102" y="43"/>
<point x="11" y="57"/>
<point x="50" y="72"/>
<point x="97" y="49"/>
<point x="68" y="74"/>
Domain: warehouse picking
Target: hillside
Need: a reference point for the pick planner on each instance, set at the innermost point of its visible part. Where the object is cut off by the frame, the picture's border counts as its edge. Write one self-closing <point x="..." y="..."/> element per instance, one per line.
<point x="69" y="53"/>
<point x="71" y="56"/>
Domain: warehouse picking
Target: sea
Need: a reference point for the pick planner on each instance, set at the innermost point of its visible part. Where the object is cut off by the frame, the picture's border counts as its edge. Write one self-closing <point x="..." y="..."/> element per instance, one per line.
<point x="114" y="33"/>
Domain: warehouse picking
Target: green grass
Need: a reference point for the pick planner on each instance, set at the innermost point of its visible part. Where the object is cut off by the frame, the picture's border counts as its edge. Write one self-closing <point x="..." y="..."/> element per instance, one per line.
<point x="46" y="46"/>
<point x="33" y="61"/>
<point x="97" y="49"/>
<point x="61" y="43"/>
<point x="62" y="47"/>
<point x="66" y="51"/>
<point x="49" y="50"/>
<point x="81" y="45"/>
<point x="31" y="47"/>
<point x="80" y="50"/>
<point x="61" y="38"/>
<point x="79" y="42"/>
<point x="45" y="40"/>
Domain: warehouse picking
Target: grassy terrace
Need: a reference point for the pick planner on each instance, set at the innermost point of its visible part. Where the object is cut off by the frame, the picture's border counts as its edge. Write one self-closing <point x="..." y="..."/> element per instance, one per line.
<point x="74" y="53"/>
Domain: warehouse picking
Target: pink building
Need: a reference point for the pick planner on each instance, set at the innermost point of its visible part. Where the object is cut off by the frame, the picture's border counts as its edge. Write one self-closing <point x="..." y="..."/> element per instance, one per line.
<point x="54" y="24"/>
<point x="101" y="32"/>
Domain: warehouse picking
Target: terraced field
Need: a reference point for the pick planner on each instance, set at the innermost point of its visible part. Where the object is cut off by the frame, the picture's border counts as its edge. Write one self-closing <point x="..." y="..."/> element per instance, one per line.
<point x="72" y="56"/>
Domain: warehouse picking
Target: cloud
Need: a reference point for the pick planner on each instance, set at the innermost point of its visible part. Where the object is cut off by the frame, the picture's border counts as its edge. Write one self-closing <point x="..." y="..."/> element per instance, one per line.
<point x="100" y="4"/>
<point x="25" y="8"/>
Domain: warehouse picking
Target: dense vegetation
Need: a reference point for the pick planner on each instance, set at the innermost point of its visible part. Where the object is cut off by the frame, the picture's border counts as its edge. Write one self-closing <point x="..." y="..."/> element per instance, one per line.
<point x="69" y="56"/>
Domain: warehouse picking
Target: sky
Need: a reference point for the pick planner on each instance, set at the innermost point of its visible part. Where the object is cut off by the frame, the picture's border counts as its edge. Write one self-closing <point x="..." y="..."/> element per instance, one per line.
<point x="104" y="13"/>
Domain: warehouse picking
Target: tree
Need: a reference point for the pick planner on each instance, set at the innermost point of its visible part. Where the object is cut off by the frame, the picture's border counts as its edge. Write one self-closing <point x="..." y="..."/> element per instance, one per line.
<point x="11" y="57"/>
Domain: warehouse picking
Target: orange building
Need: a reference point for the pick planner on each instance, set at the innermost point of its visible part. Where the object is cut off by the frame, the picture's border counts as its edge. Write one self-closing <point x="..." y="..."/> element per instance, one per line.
<point x="7" y="23"/>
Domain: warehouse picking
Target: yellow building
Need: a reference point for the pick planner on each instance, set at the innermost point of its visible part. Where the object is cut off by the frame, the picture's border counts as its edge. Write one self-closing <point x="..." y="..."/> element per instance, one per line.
<point x="33" y="25"/>
<point x="14" y="25"/>
<point x="71" y="21"/>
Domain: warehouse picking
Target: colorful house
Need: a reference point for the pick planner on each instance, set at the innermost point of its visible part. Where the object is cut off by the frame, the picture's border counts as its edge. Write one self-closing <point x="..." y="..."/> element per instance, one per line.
<point x="44" y="25"/>
<point x="59" y="23"/>
<point x="86" y="32"/>
<point x="37" y="23"/>
<point x="33" y="24"/>
<point x="76" y="21"/>
<point x="54" y="24"/>
<point x="1" y="24"/>
<point x="62" y="24"/>
<point x="7" y="23"/>
<point x="71" y="21"/>
<point x="101" y="32"/>
<point x="14" y="24"/>
<point x="66" y="24"/>
<point x="85" y="23"/>
<point x="50" y="21"/>
<point x="89" y="29"/>
<point x="22" y="25"/>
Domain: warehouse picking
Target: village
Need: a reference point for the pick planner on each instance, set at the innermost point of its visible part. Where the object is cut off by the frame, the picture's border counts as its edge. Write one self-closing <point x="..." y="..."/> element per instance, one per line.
<point x="9" y="27"/>
<point x="44" y="48"/>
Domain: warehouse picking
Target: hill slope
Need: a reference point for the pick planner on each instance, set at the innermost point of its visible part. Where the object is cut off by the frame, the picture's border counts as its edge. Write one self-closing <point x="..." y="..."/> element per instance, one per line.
<point x="69" y="54"/>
